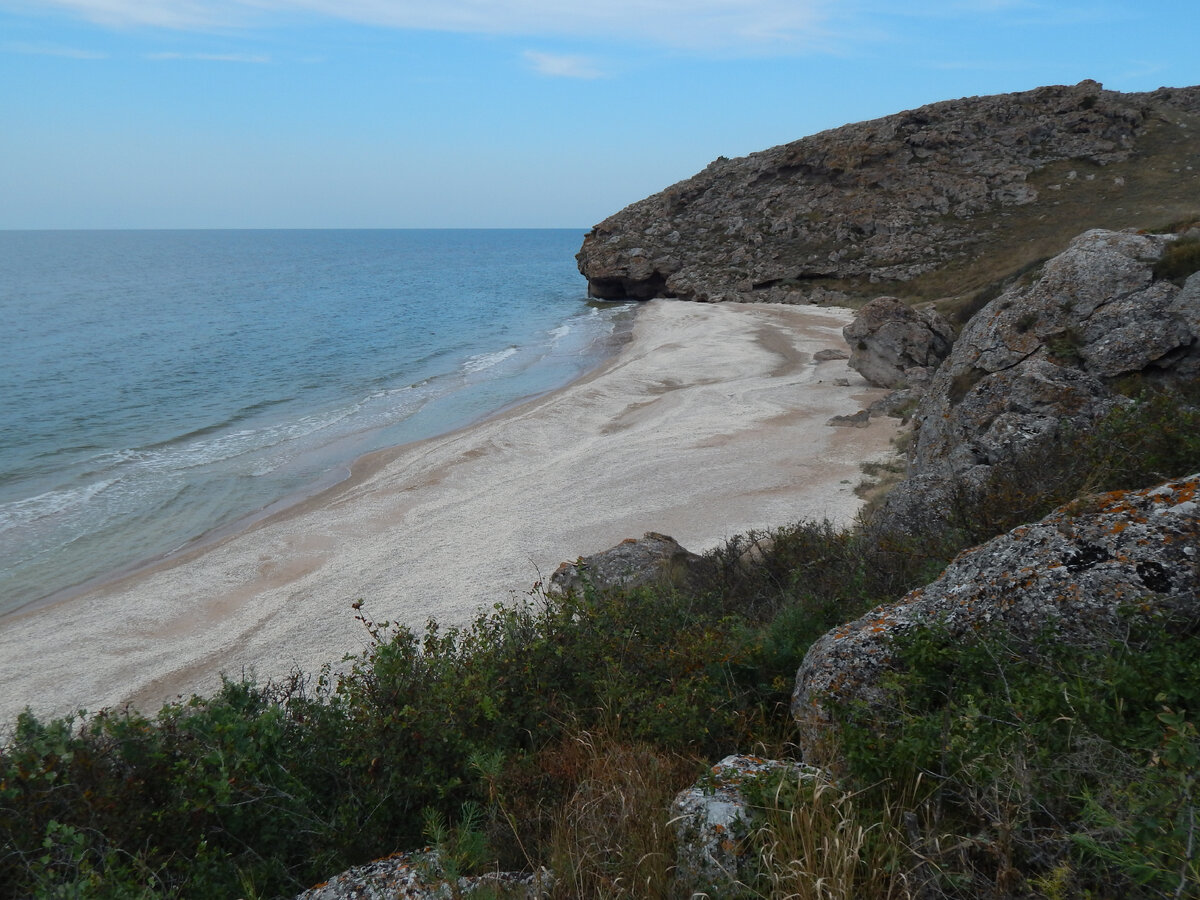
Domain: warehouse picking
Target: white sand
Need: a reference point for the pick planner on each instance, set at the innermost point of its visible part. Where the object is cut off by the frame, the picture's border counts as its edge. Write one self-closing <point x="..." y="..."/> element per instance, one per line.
<point x="710" y="422"/>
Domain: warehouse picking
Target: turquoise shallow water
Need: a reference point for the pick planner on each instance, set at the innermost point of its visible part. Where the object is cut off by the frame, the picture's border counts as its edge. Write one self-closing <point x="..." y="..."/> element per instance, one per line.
<point x="155" y="385"/>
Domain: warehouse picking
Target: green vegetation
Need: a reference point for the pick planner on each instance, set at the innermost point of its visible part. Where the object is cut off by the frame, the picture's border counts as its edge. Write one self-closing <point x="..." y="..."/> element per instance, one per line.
<point x="1180" y="260"/>
<point x="556" y="731"/>
<point x="1076" y="769"/>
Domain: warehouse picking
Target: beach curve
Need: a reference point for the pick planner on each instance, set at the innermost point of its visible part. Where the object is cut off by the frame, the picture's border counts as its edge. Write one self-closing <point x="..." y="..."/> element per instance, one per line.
<point x="709" y="422"/>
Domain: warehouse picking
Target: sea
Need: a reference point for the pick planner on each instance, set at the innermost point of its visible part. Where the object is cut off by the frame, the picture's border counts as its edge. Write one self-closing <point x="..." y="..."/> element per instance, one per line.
<point x="157" y="387"/>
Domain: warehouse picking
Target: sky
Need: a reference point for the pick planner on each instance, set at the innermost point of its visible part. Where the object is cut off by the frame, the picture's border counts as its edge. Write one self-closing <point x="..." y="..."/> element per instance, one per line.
<point x="492" y="113"/>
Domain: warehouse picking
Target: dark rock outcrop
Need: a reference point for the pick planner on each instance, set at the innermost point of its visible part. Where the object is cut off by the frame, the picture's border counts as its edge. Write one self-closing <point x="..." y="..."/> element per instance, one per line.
<point x="910" y="203"/>
<point x="888" y="339"/>
<point x="652" y="559"/>
<point x="1071" y="573"/>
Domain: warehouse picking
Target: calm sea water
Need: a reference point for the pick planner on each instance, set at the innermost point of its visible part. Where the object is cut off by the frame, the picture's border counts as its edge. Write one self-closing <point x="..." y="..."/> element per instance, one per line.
<point x="156" y="385"/>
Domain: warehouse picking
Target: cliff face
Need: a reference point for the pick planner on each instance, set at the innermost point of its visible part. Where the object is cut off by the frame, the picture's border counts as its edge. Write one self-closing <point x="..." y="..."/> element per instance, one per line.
<point x="935" y="202"/>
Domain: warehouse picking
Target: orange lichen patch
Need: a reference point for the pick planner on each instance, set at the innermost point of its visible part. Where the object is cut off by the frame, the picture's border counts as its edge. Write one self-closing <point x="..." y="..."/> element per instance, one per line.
<point x="1110" y="498"/>
<point x="1118" y="526"/>
<point x="1071" y="593"/>
<point x="1187" y="491"/>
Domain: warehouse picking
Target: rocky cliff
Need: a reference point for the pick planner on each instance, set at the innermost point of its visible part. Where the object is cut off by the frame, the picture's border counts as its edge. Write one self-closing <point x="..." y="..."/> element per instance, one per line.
<point x="941" y="201"/>
<point x="1047" y="358"/>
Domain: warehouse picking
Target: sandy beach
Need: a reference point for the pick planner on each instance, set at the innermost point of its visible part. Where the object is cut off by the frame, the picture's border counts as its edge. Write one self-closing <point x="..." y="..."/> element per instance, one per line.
<point x="710" y="421"/>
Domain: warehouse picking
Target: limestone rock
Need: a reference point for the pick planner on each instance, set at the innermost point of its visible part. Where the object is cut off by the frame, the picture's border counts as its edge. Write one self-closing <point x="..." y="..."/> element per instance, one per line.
<point x="829" y="355"/>
<point x="654" y="558"/>
<point x="407" y="876"/>
<point x="1044" y="357"/>
<point x="888" y="338"/>
<point x="713" y="819"/>
<point x="917" y="198"/>
<point x="1070" y="573"/>
<point x="860" y="419"/>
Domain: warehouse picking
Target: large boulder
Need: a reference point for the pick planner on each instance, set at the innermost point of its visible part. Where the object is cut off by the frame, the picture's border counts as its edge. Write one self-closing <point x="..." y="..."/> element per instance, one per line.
<point x="1048" y="351"/>
<point x="635" y="562"/>
<point x="888" y="338"/>
<point x="1074" y="574"/>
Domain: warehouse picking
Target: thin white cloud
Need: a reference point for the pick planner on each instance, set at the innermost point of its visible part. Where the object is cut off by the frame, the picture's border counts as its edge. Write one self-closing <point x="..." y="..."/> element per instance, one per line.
<point x="739" y="25"/>
<point x="557" y="65"/>
<point x="177" y="14"/>
<point x="211" y="57"/>
<point x="50" y="50"/>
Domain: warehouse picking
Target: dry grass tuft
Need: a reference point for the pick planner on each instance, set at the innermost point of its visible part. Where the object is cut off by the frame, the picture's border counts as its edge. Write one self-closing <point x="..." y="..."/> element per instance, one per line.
<point x="817" y="842"/>
<point x="611" y="839"/>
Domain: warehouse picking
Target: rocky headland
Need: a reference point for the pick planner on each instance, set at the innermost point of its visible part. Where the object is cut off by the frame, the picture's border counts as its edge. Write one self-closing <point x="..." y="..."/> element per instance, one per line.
<point x="941" y="201"/>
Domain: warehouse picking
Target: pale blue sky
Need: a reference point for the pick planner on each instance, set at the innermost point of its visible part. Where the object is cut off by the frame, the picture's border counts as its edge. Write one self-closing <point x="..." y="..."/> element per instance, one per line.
<point x="491" y="113"/>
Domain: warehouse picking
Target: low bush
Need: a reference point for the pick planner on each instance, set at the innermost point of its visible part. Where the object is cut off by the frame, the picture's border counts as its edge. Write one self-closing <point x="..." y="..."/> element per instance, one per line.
<point x="1180" y="260"/>
<point x="1065" y="764"/>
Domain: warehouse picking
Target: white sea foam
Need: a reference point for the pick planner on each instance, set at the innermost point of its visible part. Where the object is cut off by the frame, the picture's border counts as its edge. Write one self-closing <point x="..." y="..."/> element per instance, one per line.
<point x="484" y="361"/>
<point x="25" y="512"/>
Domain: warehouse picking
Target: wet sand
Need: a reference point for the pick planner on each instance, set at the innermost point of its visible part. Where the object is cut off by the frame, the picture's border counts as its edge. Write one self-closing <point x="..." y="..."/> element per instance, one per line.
<point x="709" y="422"/>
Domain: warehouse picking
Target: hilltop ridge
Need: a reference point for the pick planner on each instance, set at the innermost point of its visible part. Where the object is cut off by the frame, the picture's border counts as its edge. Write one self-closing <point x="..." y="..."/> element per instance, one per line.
<point x="944" y="201"/>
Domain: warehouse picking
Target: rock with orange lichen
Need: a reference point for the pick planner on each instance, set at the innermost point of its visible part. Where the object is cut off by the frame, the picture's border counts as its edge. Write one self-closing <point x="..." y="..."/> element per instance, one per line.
<point x="1072" y="574"/>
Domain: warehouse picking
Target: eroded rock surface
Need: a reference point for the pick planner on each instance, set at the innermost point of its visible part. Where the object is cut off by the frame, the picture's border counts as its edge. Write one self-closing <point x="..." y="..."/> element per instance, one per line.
<point x="411" y="876"/>
<point x="651" y="559"/>
<point x="1047" y="357"/>
<point x="1071" y="573"/>
<point x="919" y="197"/>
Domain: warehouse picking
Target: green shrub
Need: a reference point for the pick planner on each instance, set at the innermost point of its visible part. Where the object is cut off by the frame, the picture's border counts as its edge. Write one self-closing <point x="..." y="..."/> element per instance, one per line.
<point x="1080" y="761"/>
<point x="1179" y="260"/>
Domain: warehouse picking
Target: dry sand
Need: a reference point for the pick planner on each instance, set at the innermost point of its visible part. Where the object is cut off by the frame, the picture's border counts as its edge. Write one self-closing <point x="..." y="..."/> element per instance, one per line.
<point x="711" y="421"/>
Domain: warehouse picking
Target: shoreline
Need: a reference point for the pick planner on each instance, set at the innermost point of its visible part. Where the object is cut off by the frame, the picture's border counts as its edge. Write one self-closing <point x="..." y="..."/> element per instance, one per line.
<point x="328" y="482"/>
<point x="706" y="422"/>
